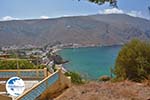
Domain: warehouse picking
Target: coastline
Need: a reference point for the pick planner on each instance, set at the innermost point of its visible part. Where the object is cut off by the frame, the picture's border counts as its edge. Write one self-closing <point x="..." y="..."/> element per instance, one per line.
<point x="85" y="46"/>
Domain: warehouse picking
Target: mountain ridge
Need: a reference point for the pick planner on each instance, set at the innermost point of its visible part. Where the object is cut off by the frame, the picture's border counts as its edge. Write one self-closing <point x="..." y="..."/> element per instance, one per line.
<point x="86" y="30"/>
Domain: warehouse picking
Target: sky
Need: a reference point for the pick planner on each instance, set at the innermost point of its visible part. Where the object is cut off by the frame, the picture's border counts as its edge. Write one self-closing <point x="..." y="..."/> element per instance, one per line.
<point x="43" y="9"/>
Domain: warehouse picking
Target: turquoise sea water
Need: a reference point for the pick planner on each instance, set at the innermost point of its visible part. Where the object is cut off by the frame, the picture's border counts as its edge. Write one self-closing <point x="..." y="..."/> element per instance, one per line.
<point x="91" y="62"/>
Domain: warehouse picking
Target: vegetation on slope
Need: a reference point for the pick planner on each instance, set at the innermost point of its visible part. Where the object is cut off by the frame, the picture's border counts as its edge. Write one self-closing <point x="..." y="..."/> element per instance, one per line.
<point x="18" y="64"/>
<point x="133" y="61"/>
<point x="75" y="77"/>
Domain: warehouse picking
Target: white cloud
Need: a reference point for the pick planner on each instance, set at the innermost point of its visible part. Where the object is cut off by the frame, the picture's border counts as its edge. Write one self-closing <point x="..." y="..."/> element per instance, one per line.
<point x="6" y="18"/>
<point x="112" y="11"/>
<point x="119" y="11"/>
<point x="135" y="14"/>
<point x="44" y="17"/>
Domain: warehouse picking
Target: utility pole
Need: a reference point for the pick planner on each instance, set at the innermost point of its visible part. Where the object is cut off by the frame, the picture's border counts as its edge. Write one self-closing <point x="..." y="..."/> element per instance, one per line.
<point x="17" y="64"/>
<point x="16" y="59"/>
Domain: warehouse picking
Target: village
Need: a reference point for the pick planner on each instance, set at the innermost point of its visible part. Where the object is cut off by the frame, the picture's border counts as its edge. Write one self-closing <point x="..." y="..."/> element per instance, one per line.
<point x="36" y="66"/>
<point x="39" y="56"/>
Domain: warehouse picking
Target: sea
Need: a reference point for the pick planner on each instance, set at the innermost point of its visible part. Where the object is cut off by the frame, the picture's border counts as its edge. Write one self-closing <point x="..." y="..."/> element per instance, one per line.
<point x="91" y="62"/>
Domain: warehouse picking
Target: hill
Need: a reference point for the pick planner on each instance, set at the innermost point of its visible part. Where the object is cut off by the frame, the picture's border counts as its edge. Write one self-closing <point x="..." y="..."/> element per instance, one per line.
<point x="107" y="91"/>
<point x="86" y="30"/>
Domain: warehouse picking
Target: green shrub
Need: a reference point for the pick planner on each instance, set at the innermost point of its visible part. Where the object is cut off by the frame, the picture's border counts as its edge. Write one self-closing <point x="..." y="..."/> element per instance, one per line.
<point x="12" y="64"/>
<point x="40" y="66"/>
<point x="75" y="77"/>
<point x="133" y="61"/>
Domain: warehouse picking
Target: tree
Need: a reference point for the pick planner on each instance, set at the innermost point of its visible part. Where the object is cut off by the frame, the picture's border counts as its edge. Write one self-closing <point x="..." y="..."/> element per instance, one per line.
<point x="112" y="3"/>
<point x="100" y="2"/>
<point x="133" y="61"/>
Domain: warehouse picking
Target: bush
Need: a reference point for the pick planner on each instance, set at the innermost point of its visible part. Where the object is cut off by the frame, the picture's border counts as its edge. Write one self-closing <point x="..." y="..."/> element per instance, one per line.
<point x="12" y="64"/>
<point x="40" y="67"/>
<point x="104" y="78"/>
<point x="75" y="77"/>
<point x="133" y="61"/>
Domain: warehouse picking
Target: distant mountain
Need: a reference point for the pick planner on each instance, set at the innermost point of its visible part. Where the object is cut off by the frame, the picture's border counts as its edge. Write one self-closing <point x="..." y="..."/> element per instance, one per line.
<point x="96" y="29"/>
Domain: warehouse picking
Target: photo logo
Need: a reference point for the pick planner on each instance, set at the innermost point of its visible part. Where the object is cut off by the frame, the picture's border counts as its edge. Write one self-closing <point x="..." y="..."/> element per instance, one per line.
<point x="15" y="86"/>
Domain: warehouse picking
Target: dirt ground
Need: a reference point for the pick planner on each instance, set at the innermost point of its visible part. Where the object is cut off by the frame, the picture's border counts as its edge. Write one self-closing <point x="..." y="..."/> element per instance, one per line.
<point x="107" y="91"/>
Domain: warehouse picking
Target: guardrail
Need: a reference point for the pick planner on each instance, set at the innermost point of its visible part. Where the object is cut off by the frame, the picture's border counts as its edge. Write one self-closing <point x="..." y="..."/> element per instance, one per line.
<point x="25" y="74"/>
<point x="52" y="83"/>
<point x="35" y="91"/>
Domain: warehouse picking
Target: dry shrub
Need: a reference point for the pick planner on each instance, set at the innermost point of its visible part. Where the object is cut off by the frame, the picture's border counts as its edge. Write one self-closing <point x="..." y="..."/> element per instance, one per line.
<point x="146" y="82"/>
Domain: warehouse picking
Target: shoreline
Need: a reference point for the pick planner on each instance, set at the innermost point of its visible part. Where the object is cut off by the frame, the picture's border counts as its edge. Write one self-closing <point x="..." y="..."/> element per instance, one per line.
<point x="86" y="46"/>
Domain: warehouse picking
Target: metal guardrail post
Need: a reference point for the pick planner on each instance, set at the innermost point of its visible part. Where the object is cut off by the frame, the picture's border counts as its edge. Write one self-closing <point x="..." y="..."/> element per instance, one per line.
<point x="45" y="72"/>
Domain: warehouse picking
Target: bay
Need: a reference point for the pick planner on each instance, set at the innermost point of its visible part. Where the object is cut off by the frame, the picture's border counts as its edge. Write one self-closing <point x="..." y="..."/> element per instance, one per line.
<point x="91" y="62"/>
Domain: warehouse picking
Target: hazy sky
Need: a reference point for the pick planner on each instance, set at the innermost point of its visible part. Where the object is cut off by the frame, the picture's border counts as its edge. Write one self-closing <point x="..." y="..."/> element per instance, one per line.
<point x="31" y="9"/>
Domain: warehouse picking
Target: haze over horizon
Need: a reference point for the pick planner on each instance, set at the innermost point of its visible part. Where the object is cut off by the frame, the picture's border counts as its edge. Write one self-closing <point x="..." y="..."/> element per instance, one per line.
<point x="44" y="9"/>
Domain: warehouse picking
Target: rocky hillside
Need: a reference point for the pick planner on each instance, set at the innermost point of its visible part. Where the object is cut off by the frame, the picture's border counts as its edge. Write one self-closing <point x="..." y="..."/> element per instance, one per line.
<point x="107" y="91"/>
<point x="86" y="30"/>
